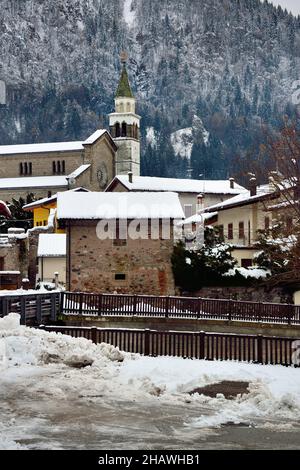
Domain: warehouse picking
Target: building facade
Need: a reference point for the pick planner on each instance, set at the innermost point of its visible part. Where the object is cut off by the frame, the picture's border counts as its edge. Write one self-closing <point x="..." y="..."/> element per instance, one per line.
<point x="135" y="264"/>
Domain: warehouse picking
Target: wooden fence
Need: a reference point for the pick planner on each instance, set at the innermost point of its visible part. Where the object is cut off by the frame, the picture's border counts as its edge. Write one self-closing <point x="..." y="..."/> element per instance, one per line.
<point x="33" y="308"/>
<point x="206" y="346"/>
<point x="178" y="307"/>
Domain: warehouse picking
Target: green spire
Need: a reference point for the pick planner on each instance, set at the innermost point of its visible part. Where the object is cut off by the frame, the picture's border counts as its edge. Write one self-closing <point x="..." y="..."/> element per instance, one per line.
<point x="124" y="90"/>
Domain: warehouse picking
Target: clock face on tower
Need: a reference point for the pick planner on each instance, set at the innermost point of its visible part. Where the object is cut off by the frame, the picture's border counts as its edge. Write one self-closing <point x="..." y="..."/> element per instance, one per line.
<point x="102" y="175"/>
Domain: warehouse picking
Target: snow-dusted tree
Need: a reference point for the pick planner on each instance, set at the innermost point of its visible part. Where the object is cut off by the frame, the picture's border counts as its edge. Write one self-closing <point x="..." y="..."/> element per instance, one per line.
<point x="280" y="244"/>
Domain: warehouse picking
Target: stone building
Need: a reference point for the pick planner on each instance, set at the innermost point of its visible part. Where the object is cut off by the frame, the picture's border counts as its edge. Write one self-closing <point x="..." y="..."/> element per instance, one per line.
<point x="120" y="243"/>
<point x="47" y="168"/>
<point x="13" y="258"/>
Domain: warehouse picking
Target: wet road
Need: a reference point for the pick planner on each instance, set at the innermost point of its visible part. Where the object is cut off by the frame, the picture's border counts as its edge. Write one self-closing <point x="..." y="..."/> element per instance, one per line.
<point x="119" y="425"/>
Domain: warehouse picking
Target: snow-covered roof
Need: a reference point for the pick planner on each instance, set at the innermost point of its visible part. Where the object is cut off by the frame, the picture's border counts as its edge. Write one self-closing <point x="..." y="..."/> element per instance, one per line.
<point x="41" y="148"/>
<point x="52" y="245"/>
<point x="40" y="181"/>
<point x="99" y="133"/>
<point x="119" y="206"/>
<point x="51" y="146"/>
<point x="242" y="199"/>
<point x="48" y="200"/>
<point x="79" y="171"/>
<point x="148" y="183"/>
<point x="198" y="218"/>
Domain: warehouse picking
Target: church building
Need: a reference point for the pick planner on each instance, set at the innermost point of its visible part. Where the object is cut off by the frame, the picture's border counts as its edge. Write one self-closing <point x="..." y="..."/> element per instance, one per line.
<point x="47" y="168"/>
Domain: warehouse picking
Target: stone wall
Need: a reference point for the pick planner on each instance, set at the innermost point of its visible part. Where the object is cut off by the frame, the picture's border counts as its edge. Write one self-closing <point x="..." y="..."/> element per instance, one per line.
<point x="93" y="264"/>
<point x="14" y="253"/>
<point x="250" y="294"/>
<point x="41" y="163"/>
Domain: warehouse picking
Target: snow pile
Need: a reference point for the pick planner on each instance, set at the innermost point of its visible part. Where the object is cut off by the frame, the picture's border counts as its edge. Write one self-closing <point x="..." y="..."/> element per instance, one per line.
<point x="274" y="391"/>
<point x="44" y="368"/>
<point x="25" y="346"/>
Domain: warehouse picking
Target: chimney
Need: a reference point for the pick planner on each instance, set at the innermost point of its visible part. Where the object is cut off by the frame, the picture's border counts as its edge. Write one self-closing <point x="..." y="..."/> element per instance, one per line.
<point x="130" y="177"/>
<point x="253" y="186"/>
<point x="201" y="198"/>
<point x="232" y="181"/>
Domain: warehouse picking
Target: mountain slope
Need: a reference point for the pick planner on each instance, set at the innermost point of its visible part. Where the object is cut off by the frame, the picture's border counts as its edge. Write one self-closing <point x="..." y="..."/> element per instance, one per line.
<point x="231" y="63"/>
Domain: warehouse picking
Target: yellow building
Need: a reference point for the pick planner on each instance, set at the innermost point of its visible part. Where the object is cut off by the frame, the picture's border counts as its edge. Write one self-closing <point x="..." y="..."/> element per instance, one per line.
<point x="41" y="210"/>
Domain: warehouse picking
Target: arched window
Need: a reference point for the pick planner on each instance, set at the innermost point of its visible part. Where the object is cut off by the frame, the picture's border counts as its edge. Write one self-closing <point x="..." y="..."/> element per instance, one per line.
<point x="118" y="132"/>
<point x="124" y="129"/>
<point x="58" y="168"/>
<point x="25" y="169"/>
<point x="63" y="163"/>
<point x="21" y="169"/>
<point x="128" y="107"/>
<point x="54" y="167"/>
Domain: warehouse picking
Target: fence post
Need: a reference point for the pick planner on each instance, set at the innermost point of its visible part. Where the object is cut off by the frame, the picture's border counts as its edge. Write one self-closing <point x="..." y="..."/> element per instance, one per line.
<point x="53" y="313"/>
<point x="230" y="307"/>
<point x="94" y="334"/>
<point x="62" y="302"/>
<point x="290" y="314"/>
<point x="134" y="304"/>
<point x="38" y="304"/>
<point x="202" y="345"/>
<point x="260" y="349"/>
<point x="167" y="307"/>
<point x="80" y="303"/>
<point x="199" y="308"/>
<point x="147" y="343"/>
<point x="23" y="310"/>
<point x="100" y="305"/>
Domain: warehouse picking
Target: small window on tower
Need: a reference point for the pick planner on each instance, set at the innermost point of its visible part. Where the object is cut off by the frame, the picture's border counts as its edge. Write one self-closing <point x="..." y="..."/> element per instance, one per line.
<point x="124" y="129"/>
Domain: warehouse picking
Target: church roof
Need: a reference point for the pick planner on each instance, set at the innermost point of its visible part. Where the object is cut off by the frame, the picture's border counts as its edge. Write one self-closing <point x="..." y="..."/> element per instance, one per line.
<point x="53" y="146"/>
<point x="124" y="89"/>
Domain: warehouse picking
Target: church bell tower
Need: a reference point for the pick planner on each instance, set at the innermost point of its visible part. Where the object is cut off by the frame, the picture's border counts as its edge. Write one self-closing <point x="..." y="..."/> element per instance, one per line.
<point x="124" y="126"/>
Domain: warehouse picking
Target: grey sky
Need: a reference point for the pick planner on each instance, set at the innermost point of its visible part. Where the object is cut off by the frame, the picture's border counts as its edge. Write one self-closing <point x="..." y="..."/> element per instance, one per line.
<point x="291" y="5"/>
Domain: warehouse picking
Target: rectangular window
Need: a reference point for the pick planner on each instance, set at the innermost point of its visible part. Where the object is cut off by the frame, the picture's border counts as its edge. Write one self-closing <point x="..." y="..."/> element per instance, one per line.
<point x="63" y="164"/>
<point x="54" y="168"/>
<point x="241" y="230"/>
<point x="221" y="231"/>
<point x="188" y="210"/>
<point x="21" y="169"/>
<point x="120" y="277"/>
<point x="1" y="264"/>
<point x="246" y="263"/>
<point x="230" y="231"/>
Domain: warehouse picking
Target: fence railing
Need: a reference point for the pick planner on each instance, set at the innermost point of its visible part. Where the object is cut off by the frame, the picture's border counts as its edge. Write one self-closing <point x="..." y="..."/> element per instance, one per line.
<point x="178" y="307"/>
<point x="35" y="308"/>
<point x="205" y="346"/>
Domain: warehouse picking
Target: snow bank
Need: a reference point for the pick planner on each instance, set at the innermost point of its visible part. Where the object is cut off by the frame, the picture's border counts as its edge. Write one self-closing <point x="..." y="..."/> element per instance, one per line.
<point x="274" y="391"/>
<point x="41" y="366"/>
<point x="26" y="346"/>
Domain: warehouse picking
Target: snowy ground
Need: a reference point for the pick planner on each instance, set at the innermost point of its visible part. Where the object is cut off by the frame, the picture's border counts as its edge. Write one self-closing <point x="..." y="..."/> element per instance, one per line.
<point x="125" y="401"/>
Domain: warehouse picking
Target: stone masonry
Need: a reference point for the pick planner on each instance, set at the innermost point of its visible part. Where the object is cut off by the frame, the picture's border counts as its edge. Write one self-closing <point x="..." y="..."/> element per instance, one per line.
<point x="94" y="265"/>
